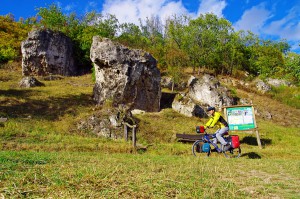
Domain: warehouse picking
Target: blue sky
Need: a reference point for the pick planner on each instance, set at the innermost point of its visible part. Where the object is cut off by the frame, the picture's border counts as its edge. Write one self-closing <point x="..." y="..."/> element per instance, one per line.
<point x="269" y="19"/>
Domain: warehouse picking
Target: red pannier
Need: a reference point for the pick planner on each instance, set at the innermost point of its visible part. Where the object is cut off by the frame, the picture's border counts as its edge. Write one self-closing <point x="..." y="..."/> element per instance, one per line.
<point x="235" y="141"/>
<point x="200" y="129"/>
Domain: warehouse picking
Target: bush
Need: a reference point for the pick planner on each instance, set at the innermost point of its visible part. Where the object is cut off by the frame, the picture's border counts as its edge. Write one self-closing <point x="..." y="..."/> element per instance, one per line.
<point x="7" y="54"/>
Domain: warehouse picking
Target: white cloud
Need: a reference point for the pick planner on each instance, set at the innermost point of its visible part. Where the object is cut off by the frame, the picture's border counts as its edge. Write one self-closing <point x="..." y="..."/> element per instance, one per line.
<point x="259" y="21"/>
<point x="288" y="27"/>
<point x="133" y="10"/>
<point x="69" y="7"/>
<point x="212" y="6"/>
<point x="253" y="19"/>
<point x="91" y="6"/>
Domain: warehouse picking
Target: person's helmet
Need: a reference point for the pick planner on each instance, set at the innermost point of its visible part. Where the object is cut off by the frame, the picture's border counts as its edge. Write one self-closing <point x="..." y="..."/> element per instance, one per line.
<point x="211" y="108"/>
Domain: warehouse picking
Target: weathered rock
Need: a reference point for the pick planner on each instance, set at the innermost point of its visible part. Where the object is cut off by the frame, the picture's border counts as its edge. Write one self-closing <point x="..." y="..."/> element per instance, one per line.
<point x="52" y="77"/>
<point x="46" y="52"/>
<point x="184" y="105"/>
<point x="125" y="76"/>
<point x="166" y="82"/>
<point x="107" y="122"/>
<point x="208" y="91"/>
<point x="28" y="82"/>
<point x="262" y="86"/>
<point x="278" y="82"/>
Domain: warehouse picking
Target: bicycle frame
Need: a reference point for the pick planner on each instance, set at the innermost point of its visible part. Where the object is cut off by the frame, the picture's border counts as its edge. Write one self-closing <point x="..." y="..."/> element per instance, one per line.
<point x="207" y="138"/>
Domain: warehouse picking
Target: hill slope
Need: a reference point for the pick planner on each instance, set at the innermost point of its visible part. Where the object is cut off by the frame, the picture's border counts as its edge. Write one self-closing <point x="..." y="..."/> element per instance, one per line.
<point x="44" y="155"/>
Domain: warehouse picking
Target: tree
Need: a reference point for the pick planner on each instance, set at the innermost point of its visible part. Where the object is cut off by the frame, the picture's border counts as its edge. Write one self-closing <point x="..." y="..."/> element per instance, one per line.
<point x="131" y="35"/>
<point x="176" y="39"/>
<point x="11" y="35"/>
<point x="208" y="37"/>
<point x="292" y="67"/>
<point x="52" y="18"/>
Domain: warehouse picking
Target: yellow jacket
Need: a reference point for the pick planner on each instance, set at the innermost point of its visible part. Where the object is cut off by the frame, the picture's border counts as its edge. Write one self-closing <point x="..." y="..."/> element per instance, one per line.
<point x="216" y="119"/>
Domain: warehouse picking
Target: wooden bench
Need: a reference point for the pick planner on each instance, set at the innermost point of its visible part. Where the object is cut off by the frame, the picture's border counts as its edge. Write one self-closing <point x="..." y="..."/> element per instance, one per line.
<point x="189" y="137"/>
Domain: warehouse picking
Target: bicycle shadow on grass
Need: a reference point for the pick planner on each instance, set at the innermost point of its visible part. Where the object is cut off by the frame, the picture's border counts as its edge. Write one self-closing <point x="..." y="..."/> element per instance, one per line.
<point x="253" y="141"/>
<point x="251" y="155"/>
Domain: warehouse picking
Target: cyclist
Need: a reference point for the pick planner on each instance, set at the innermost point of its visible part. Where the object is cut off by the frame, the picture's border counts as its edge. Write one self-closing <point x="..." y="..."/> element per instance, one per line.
<point x="217" y="119"/>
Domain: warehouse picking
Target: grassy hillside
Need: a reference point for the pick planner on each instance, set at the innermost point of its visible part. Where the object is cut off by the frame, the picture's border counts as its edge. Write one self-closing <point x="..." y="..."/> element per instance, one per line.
<point x="44" y="156"/>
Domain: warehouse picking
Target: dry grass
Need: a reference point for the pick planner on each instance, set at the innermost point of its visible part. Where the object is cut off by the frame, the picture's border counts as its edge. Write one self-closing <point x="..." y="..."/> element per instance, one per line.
<point x="43" y="156"/>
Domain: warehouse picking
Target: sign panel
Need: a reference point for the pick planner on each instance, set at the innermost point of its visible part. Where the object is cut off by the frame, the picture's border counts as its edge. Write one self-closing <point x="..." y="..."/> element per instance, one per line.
<point x="240" y="118"/>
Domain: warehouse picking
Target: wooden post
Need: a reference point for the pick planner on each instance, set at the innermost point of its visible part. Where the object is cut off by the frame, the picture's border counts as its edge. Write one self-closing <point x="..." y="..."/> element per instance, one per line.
<point x="258" y="139"/>
<point x="256" y="131"/>
<point x="125" y="132"/>
<point x="133" y="127"/>
<point x="134" y="136"/>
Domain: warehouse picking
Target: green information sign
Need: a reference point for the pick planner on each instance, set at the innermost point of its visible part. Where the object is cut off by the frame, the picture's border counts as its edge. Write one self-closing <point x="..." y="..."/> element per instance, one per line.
<point x="240" y="118"/>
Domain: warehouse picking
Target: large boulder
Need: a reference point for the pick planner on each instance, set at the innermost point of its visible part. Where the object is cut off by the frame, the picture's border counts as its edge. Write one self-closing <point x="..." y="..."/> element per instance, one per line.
<point x="185" y="105"/>
<point x="125" y="76"/>
<point x="208" y="91"/>
<point x="48" y="53"/>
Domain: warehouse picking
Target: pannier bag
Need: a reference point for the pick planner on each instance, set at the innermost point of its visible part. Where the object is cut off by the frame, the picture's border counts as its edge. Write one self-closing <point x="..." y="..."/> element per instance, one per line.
<point x="205" y="147"/>
<point x="197" y="129"/>
<point x="235" y="141"/>
<point x="200" y="129"/>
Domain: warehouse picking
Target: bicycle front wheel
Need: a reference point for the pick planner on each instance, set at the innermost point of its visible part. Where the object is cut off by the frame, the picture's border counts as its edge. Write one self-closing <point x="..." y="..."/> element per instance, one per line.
<point x="197" y="149"/>
<point x="233" y="153"/>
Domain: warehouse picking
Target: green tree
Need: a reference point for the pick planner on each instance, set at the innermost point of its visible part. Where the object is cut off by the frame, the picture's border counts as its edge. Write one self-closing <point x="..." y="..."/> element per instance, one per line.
<point x="292" y="67"/>
<point x="131" y="35"/>
<point x="152" y="30"/>
<point x="176" y="39"/>
<point x="52" y="18"/>
<point x="12" y="33"/>
<point x="208" y="38"/>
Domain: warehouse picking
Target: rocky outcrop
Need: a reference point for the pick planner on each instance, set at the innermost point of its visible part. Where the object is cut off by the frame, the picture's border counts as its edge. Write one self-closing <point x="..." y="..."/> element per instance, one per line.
<point x="107" y="122"/>
<point x="125" y="76"/>
<point x="278" y="82"/>
<point x="184" y="105"/>
<point x="261" y="86"/>
<point x="28" y="82"/>
<point x="46" y="52"/>
<point x="208" y="91"/>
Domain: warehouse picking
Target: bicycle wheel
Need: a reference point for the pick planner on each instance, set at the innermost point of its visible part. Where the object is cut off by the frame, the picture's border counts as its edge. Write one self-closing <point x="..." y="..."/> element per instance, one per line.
<point x="233" y="153"/>
<point x="197" y="149"/>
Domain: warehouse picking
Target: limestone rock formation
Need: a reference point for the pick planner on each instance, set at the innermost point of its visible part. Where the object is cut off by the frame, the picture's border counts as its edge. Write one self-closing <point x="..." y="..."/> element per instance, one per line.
<point x="184" y="105"/>
<point x="262" y="86"/>
<point x="48" y="53"/>
<point x="28" y="82"/>
<point x="208" y="91"/>
<point x="125" y="76"/>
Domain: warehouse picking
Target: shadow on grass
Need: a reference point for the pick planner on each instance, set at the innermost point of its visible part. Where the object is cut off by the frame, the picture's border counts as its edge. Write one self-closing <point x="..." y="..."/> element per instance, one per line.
<point x="251" y="155"/>
<point x="253" y="141"/>
<point x="18" y="93"/>
<point x="49" y="109"/>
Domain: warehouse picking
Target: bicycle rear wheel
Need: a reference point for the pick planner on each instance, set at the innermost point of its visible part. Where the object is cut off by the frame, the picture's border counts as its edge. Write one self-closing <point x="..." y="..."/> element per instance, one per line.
<point x="233" y="153"/>
<point x="197" y="149"/>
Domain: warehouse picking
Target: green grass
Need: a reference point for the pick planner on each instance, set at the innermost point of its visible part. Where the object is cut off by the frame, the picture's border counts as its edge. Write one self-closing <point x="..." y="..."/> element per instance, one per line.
<point x="287" y="95"/>
<point x="43" y="155"/>
<point x="100" y="175"/>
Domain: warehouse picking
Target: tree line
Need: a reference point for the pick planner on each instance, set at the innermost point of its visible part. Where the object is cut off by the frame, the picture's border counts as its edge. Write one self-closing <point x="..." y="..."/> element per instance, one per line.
<point x="207" y="43"/>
